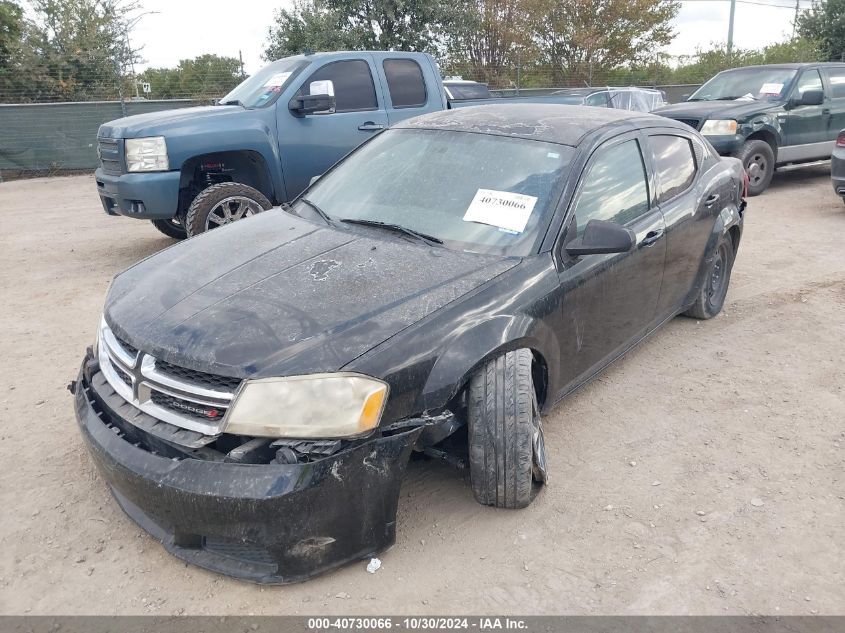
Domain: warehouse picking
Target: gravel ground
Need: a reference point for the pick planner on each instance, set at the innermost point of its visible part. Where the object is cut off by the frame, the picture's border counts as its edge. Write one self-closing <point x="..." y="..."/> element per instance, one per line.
<point x="702" y="474"/>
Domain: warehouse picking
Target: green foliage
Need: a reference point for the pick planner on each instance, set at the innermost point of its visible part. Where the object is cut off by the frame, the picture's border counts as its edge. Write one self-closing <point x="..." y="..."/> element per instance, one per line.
<point x="825" y="23"/>
<point x="206" y="76"/>
<point x="11" y="29"/>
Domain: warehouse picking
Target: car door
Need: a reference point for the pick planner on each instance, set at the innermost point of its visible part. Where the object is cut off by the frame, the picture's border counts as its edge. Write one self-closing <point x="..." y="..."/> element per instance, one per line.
<point x="835" y="76"/>
<point x="310" y="144"/>
<point x="405" y="87"/>
<point x="806" y="125"/>
<point x="688" y="203"/>
<point x="608" y="301"/>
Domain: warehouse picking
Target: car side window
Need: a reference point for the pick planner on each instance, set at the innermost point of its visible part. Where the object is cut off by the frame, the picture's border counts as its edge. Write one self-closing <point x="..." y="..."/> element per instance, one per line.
<point x="614" y="187"/>
<point x="836" y="77"/>
<point x="405" y="83"/>
<point x="354" y="89"/>
<point x="598" y="99"/>
<point x="675" y="164"/>
<point x="809" y="80"/>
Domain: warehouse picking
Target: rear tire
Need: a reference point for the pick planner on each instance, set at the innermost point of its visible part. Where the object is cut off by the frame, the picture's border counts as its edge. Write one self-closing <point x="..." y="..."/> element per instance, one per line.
<point x="713" y="291"/>
<point x="171" y="228"/>
<point x="758" y="158"/>
<point x="224" y="203"/>
<point x="506" y="449"/>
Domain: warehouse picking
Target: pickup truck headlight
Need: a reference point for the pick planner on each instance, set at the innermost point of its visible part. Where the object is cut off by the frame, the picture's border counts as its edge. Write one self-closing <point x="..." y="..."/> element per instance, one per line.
<point x="146" y="154"/>
<point x="719" y="127"/>
<point x="313" y="406"/>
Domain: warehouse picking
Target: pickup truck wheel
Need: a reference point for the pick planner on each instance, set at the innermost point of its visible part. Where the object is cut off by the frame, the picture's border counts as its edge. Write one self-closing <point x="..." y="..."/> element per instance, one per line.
<point x="759" y="161"/>
<point x="712" y="295"/>
<point x="171" y="228"/>
<point x="224" y="203"/>
<point x="506" y="448"/>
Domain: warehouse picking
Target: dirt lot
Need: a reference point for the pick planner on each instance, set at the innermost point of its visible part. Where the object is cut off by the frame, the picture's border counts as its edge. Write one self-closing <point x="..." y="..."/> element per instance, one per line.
<point x="704" y="473"/>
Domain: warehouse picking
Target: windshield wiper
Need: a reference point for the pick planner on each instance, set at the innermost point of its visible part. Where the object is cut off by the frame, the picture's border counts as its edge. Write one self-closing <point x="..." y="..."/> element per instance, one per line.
<point x="319" y="211"/>
<point x="397" y="228"/>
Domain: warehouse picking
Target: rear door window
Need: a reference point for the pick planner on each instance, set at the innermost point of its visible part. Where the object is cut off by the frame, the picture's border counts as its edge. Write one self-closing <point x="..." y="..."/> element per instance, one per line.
<point x="836" y="77"/>
<point x="354" y="90"/>
<point x="675" y="164"/>
<point x="405" y="83"/>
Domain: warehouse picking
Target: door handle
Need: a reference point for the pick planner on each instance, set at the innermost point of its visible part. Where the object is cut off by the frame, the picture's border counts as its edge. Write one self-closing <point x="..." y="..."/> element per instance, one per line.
<point x="370" y="126"/>
<point x="711" y="200"/>
<point x="826" y="111"/>
<point x="652" y="237"/>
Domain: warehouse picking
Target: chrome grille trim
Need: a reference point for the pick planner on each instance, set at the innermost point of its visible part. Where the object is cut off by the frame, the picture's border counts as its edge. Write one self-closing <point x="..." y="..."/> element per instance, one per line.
<point x="146" y="380"/>
<point x="108" y="151"/>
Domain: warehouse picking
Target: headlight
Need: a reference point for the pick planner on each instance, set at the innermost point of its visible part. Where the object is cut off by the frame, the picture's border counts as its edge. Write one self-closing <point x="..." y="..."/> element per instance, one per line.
<point x="146" y="154"/>
<point x="719" y="127"/>
<point x="313" y="406"/>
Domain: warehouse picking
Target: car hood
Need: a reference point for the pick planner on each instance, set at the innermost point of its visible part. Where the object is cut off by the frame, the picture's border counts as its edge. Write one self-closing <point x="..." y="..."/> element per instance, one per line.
<point x="715" y="109"/>
<point x="278" y="295"/>
<point x="159" y="123"/>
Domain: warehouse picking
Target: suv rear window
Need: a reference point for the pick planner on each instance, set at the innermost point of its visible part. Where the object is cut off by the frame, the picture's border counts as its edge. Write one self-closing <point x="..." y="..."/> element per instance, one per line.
<point x="405" y="82"/>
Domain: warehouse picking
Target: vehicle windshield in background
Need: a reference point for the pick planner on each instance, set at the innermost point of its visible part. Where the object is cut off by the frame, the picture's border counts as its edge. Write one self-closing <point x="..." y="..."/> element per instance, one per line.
<point x="468" y="90"/>
<point x="765" y="84"/>
<point x="475" y="192"/>
<point x="265" y="86"/>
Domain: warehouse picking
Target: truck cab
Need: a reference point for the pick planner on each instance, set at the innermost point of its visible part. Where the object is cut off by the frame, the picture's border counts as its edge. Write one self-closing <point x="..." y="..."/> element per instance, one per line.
<point x="194" y="169"/>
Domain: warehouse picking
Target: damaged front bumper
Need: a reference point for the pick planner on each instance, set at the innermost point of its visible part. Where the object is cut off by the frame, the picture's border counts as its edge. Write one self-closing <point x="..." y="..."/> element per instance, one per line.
<point x="265" y="523"/>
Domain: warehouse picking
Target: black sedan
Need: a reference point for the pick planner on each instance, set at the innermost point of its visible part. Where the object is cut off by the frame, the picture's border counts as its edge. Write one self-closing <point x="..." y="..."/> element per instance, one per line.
<point x="254" y="394"/>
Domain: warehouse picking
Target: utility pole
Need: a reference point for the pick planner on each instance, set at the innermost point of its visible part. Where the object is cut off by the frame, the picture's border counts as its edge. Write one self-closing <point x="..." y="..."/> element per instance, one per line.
<point x="241" y="57"/>
<point x="731" y="30"/>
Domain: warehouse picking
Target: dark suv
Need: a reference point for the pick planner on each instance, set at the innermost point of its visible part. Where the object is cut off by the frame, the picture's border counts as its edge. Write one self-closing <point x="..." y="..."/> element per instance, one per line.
<point x="769" y="116"/>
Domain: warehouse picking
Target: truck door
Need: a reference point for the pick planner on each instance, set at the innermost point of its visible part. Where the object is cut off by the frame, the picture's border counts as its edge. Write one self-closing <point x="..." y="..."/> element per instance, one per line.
<point x="806" y="125"/>
<point x="310" y="144"/>
<point x="836" y="88"/>
<point x="406" y="88"/>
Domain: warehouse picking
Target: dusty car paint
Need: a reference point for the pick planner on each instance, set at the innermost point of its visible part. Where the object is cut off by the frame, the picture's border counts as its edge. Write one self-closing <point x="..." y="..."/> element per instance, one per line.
<point x="294" y="296"/>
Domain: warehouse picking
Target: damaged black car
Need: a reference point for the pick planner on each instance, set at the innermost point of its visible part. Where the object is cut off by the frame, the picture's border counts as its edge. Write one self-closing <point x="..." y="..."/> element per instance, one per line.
<point x="254" y="394"/>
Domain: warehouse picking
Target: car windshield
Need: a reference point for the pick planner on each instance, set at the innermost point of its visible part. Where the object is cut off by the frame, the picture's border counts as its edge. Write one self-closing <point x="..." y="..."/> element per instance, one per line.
<point x="265" y="86"/>
<point x="768" y="84"/>
<point x="474" y="192"/>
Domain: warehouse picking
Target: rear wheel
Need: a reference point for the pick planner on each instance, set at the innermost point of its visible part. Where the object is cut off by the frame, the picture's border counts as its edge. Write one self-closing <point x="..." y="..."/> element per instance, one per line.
<point x="172" y="227"/>
<point x="506" y="450"/>
<point x="712" y="295"/>
<point x="222" y="204"/>
<point x="758" y="158"/>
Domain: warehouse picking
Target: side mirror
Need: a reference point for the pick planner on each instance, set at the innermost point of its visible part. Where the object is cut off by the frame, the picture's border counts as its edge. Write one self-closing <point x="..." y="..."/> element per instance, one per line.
<point x="312" y="104"/>
<point x="809" y="97"/>
<point x="683" y="97"/>
<point x="602" y="237"/>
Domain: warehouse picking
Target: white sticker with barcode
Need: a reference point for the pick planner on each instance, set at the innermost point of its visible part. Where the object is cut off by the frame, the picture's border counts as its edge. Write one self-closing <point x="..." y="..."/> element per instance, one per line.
<point x="503" y="209"/>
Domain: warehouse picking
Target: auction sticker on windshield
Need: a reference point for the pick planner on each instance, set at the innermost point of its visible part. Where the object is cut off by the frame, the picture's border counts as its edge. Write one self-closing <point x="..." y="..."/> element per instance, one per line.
<point x="503" y="209"/>
<point x="771" y="89"/>
<point x="278" y="79"/>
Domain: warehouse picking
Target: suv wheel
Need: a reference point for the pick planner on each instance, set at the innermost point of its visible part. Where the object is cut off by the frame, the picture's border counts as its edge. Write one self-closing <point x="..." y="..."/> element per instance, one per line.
<point x="507" y="454"/>
<point x="758" y="158"/>
<point x="172" y="227"/>
<point x="224" y="203"/>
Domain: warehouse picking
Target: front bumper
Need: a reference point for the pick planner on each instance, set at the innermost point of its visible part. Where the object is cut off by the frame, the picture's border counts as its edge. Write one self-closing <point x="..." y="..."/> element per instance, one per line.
<point x="150" y="196"/>
<point x="274" y="523"/>
<point x="726" y="145"/>
<point x="837" y="170"/>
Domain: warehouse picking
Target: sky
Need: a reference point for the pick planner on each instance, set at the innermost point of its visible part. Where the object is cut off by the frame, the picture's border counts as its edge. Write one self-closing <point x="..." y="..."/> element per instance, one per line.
<point x="181" y="29"/>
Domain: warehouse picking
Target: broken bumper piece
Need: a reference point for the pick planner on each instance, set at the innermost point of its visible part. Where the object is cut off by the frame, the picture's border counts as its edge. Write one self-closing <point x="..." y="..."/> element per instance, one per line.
<point x="273" y="523"/>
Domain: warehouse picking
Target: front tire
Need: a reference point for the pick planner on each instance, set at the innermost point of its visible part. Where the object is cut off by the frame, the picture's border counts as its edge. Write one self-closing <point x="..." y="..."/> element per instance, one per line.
<point x="224" y="203"/>
<point x="758" y="158"/>
<point x="172" y="227"/>
<point x="506" y="449"/>
<point x="713" y="291"/>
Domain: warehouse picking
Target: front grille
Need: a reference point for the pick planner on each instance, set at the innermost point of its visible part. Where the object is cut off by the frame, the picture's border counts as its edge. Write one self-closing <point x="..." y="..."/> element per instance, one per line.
<point x="130" y="349"/>
<point x="693" y="123"/>
<point x="186" y="407"/>
<point x="212" y="381"/>
<point x="124" y="377"/>
<point x="108" y="151"/>
<point x="238" y="550"/>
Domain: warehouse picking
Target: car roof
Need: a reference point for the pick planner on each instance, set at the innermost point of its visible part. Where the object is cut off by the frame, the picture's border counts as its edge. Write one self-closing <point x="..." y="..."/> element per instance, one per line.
<point x="790" y="66"/>
<point x="554" y="123"/>
<point x="578" y="91"/>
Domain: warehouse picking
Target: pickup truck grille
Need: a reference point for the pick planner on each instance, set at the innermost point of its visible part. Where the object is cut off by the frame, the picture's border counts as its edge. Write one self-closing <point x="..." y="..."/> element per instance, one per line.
<point x="185" y="398"/>
<point x="108" y="151"/>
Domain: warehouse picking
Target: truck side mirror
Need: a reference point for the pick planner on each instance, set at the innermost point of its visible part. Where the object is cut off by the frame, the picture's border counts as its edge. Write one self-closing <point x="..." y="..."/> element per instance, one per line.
<point x="601" y="237"/>
<point x="312" y="104"/>
<point x="809" y="97"/>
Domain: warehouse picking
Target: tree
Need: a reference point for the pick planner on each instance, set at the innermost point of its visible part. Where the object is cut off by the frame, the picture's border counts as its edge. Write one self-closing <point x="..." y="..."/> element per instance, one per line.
<point x="580" y="39"/>
<point x="205" y="76"/>
<point x="314" y="25"/>
<point x="825" y="23"/>
<point x="11" y="29"/>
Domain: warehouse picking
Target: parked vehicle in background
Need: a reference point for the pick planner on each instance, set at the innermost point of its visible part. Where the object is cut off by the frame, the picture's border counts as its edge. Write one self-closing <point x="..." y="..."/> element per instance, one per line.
<point x="636" y="99"/>
<point x="435" y="291"/>
<point x="458" y="89"/>
<point x="837" y="165"/>
<point x="769" y="116"/>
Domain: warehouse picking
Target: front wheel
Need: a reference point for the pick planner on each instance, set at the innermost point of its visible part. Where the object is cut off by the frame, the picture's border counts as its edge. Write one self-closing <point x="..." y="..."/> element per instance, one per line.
<point x="713" y="291"/>
<point x="506" y="449"/>
<point x="224" y="203"/>
<point x="172" y="227"/>
<point x="758" y="158"/>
